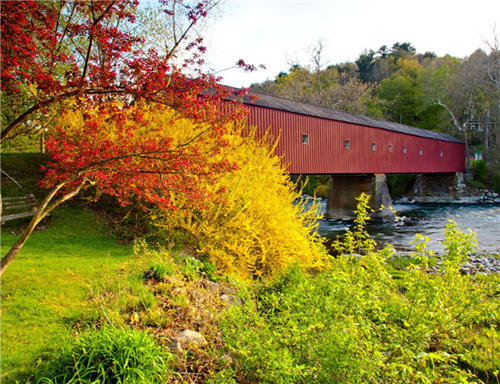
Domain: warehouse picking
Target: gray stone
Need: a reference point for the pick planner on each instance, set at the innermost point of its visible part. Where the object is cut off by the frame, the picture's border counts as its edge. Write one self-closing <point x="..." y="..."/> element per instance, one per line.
<point x="230" y="300"/>
<point x="174" y="346"/>
<point x="189" y="338"/>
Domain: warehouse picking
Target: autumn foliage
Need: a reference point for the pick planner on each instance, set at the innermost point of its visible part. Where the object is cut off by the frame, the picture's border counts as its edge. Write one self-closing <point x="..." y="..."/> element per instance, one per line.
<point x="144" y="154"/>
<point x="123" y="117"/>
<point x="93" y="52"/>
<point x="227" y="190"/>
<point x="83" y="72"/>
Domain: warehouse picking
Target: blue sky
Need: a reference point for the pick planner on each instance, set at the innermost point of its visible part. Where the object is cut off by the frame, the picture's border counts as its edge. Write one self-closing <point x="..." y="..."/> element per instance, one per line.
<point x="275" y="33"/>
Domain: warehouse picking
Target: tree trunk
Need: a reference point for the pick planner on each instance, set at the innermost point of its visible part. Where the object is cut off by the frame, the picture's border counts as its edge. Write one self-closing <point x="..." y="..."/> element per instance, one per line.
<point x="42" y="211"/>
<point x="467" y="157"/>
<point x="18" y="245"/>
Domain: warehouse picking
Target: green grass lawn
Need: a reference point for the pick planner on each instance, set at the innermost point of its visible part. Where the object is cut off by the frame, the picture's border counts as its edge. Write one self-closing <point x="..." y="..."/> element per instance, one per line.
<point x="45" y="289"/>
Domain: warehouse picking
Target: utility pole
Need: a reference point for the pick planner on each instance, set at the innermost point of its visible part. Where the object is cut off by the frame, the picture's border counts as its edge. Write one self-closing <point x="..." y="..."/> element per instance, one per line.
<point x="486" y="137"/>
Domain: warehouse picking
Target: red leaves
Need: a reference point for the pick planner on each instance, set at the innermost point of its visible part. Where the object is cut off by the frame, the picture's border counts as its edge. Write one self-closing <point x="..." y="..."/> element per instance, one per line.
<point x="86" y="52"/>
<point x="248" y="67"/>
<point x="83" y="56"/>
<point x="51" y="51"/>
<point x="124" y="154"/>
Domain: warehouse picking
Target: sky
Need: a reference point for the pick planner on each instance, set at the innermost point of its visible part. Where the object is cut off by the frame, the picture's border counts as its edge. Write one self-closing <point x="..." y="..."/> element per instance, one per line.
<point x="277" y="33"/>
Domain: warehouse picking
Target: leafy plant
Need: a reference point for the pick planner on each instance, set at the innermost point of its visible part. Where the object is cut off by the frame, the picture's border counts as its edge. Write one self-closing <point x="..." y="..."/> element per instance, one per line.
<point x="321" y="190"/>
<point x="482" y="172"/>
<point x="355" y="323"/>
<point x="157" y="271"/>
<point x="108" y="355"/>
<point x="357" y="240"/>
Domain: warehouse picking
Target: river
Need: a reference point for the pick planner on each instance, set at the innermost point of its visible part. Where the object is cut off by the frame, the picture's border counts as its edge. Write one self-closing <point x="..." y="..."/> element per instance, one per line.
<point x="429" y="220"/>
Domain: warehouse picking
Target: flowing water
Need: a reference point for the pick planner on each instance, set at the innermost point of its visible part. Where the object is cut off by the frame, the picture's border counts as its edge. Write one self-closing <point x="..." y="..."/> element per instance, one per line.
<point x="429" y="220"/>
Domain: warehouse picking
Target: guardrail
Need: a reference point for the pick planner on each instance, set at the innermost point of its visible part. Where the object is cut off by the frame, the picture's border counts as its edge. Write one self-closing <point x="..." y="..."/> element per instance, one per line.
<point x="18" y="206"/>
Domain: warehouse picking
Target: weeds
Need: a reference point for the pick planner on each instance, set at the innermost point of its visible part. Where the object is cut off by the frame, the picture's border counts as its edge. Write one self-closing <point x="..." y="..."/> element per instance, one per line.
<point x="108" y="355"/>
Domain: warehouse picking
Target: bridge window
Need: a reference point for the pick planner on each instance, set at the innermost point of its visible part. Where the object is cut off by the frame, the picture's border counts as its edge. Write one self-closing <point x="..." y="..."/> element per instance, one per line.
<point x="305" y="138"/>
<point x="347" y="144"/>
<point x="404" y="149"/>
<point x="374" y="146"/>
<point x="441" y="154"/>
<point x="420" y="152"/>
<point x="390" y="147"/>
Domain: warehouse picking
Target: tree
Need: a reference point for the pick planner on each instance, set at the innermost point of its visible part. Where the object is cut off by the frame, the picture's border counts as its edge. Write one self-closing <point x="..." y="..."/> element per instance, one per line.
<point x="401" y="92"/>
<point x="366" y="66"/>
<point x="144" y="155"/>
<point x="54" y="52"/>
<point x="454" y="87"/>
<point x="336" y="86"/>
<point x="402" y="51"/>
<point x="80" y="64"/>
<point x="373" y="66"/>
<point x="491" y="87"/>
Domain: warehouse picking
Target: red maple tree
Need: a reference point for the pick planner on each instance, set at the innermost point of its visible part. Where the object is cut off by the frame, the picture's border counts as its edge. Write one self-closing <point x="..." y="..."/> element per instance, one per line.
<point x="60" y="57"/>
<point x="52" y="52"/>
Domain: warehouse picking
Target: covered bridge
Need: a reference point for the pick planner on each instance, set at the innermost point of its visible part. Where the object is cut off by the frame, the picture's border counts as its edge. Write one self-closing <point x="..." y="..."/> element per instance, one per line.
<point x="357" y="151"/>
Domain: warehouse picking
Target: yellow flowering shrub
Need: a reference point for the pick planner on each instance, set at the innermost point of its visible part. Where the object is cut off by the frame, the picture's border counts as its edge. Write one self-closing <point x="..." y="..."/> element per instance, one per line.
<point x="254" y="228"/>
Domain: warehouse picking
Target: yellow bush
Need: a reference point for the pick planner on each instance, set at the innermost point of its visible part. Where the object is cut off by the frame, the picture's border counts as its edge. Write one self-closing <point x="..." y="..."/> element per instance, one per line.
<point x="254" y="228"/>
<point x="321" y="190"/>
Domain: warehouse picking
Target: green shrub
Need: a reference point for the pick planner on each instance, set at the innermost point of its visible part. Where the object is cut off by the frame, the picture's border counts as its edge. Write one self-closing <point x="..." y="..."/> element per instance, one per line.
<point x="309" y="184"/>
<point x="108" y="355"/>
<point x="355" y="323"/>
<point x="400" y="185"/>
<point x="495" y="178"/>
<point x="482" y="172"/>
<point x="158" y="271"/>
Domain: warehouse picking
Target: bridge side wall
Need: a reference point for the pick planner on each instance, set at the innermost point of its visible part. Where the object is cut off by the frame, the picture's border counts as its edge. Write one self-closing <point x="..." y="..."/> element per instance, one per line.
<point x="325" y="151"/>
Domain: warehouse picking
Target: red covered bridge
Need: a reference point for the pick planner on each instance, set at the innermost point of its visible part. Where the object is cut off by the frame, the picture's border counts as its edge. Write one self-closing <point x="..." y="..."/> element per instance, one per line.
<point x="356" y="150"/>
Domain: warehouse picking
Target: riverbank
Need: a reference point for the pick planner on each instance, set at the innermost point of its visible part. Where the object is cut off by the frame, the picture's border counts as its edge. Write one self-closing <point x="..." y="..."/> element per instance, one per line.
<point x="430" y="221"/>
<point x="77" y="281"/>
<point x="474" y="265"/>
<point x="484" y="196"/>
<point x="461" y="193"/>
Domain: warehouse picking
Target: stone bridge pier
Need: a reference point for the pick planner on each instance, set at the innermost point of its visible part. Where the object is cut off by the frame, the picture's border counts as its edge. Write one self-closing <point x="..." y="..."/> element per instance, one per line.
<point x="344" y="189"/>
<point x="438" y="187"/>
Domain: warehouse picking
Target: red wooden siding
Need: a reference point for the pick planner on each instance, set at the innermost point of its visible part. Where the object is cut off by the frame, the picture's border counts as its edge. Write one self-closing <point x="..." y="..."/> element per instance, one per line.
<point x="325" y="152"/>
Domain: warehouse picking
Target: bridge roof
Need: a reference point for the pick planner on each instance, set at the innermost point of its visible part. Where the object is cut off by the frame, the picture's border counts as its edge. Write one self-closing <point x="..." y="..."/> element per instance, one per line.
<point x="268" y="101"/>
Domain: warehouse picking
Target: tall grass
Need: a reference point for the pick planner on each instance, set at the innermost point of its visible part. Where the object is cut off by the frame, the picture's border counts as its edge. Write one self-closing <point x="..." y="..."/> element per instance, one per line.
<point x="108" y="355"/>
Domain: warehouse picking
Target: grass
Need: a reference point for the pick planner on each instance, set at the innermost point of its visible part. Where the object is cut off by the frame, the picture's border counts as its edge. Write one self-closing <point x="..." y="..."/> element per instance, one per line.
<point x="45" y="289"/>
<point x="109" y="355"/>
